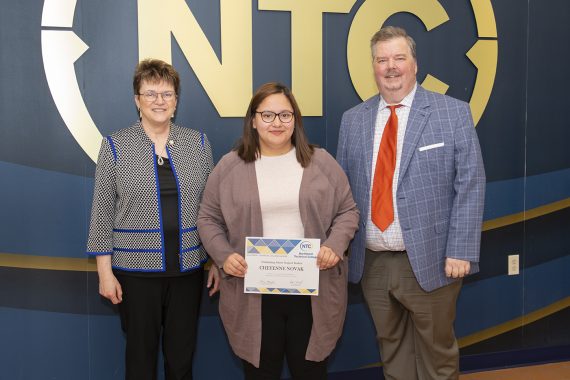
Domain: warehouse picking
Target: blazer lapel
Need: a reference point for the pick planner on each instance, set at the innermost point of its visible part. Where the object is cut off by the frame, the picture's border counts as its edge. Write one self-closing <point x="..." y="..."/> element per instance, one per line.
<point x="417" y="120"/>
<point x="370" y="113"/>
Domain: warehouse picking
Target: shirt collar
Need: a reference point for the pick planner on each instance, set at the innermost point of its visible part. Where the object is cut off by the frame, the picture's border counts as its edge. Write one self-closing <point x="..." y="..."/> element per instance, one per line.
<point x="406" y="102"/>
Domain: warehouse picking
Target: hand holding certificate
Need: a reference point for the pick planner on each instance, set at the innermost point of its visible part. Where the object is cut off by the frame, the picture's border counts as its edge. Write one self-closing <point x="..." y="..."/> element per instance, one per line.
<point x="282" y="266"/>
<point x="235" y="265"/>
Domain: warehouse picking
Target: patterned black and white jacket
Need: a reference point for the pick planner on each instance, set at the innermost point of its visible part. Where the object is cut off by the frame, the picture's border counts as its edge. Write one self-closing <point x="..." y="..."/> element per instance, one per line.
<point x="126" y="219"/>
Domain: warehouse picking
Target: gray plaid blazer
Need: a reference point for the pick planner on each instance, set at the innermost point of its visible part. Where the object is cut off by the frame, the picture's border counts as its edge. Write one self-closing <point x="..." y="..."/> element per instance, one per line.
<point x="441" y="188"/>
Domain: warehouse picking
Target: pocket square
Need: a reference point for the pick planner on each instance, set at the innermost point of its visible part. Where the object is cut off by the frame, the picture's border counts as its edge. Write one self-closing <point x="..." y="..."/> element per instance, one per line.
<point x="432" y="146"/>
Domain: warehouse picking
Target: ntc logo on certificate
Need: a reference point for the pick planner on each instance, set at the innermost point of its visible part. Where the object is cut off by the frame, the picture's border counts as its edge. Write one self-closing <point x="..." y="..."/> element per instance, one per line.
<point x="282" y="266"/>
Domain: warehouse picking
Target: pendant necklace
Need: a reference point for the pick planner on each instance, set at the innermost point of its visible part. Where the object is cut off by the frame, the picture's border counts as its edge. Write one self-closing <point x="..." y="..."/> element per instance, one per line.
<point x="160" y="160"/>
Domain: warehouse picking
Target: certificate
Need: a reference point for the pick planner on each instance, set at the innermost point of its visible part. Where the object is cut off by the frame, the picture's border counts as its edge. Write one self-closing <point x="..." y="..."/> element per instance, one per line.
<point x="282" y="266"/>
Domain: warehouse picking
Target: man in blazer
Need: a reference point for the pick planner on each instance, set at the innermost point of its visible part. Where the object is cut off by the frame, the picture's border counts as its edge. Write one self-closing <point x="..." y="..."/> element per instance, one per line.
<point x="421" y="210"/>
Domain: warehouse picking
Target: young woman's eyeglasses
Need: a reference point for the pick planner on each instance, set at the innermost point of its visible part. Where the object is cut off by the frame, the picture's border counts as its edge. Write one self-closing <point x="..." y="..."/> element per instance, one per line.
<point x="269" y="116"/>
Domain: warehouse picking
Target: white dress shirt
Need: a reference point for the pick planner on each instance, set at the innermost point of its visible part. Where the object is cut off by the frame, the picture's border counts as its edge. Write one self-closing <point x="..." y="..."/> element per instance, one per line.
<point x="391" y="239"/>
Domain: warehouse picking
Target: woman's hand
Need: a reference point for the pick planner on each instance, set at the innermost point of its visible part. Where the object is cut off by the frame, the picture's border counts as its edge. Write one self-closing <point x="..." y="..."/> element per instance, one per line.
<point x="326" y="258"/>
<point x="235" y="265"/>
<point x="213" y="279"/>
<point x="110" y="288"/>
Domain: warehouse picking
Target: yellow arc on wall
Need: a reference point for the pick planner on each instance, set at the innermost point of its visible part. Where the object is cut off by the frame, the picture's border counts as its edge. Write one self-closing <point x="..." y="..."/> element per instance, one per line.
<point x="483" y="54"/>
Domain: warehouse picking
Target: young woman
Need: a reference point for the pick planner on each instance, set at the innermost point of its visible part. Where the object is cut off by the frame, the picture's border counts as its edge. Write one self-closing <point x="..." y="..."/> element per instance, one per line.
<point x="276" y="184"/>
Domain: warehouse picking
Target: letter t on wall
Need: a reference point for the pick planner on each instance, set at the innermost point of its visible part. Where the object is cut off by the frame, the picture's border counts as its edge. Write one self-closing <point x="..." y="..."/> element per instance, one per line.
<point x="307" y="46"/>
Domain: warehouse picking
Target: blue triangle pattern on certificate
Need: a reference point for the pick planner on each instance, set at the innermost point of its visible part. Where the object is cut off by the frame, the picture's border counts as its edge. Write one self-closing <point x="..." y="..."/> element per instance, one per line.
<point x="271" y="246"/>
<point x="288" y="244"/>
<point x="274" y="245"/>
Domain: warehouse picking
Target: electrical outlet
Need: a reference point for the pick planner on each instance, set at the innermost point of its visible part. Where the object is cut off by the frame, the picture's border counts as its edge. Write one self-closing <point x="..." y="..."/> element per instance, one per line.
<point x="513" y="265"/>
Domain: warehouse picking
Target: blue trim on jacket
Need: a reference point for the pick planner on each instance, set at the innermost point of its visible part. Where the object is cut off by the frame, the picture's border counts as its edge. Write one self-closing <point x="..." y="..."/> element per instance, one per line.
<point x="99" y="253"/>
<point x="191" y="248"/>
<point x="139" y="231"/>
<point x="112" y="145"/>
<point x="148" y="250"/>
<point x="122" y="269"/>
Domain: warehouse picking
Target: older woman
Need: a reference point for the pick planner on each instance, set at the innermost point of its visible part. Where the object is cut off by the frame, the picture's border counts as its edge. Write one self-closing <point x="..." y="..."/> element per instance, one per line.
<point x="148" y="184"/>
<point x="276" y="184"/>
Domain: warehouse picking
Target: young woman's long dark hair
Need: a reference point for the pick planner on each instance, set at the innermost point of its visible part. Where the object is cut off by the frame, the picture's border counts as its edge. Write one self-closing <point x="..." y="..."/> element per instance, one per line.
<point x="248" y="145"/>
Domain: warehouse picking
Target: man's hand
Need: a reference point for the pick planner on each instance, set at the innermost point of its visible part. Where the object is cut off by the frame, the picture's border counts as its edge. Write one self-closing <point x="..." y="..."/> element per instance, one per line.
<point x="456" y="268"/>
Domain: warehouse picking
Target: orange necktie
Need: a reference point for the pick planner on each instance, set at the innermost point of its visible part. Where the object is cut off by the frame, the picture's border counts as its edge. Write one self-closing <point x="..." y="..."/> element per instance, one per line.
<point x="382" y="202"/>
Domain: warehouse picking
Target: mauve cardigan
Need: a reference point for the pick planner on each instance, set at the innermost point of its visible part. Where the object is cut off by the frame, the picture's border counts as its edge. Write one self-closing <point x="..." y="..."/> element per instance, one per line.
<point x="230" y="211"/>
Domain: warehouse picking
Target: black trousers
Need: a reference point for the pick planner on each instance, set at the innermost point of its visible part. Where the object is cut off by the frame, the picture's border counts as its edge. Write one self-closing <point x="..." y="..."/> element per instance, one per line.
<point x="155" y="306"/>
<point x="286" y="328"/>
